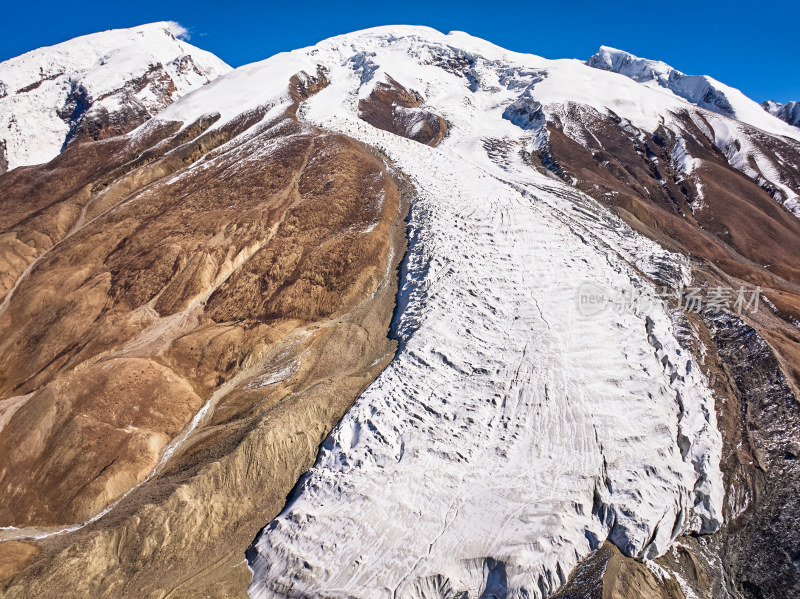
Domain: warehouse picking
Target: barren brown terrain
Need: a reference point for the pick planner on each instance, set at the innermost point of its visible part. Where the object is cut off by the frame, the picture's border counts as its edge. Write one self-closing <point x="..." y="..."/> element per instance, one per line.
<point x="607" y="574"/>
<point x="248" y="270"/>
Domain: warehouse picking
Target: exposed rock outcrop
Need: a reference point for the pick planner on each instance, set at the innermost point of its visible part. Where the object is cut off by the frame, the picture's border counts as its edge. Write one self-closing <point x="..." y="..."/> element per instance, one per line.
<point x="393" y="108"/>
<point x="607" y="574"/>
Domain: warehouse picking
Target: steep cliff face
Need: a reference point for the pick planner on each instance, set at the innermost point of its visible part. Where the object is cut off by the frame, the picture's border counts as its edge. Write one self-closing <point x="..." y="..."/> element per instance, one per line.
<point x="758" y="550"/>
<point x="94" y="87"/>
<point x="202" y="312"/>
<point x="789" y="112"/>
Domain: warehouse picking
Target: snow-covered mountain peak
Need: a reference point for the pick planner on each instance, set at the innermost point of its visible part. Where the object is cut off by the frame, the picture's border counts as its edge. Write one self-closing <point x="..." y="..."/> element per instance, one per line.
<point x="421" y="35"/>
<point x="463" y="78"/>
<point x="452" y="67"/>
<point x="84" y="52"/>
<point x="701" y="90"/>
<point x="638" y="69"/>
<point x="114" y="79"/>
<point x="458" y="64"/>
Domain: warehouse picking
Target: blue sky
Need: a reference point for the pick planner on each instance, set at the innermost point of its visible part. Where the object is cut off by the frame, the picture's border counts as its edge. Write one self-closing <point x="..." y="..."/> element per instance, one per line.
<point x="752" y="46"/>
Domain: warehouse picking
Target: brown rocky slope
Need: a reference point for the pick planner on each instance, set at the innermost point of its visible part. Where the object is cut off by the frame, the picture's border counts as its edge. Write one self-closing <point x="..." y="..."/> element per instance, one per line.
<point x="249" y="270"/>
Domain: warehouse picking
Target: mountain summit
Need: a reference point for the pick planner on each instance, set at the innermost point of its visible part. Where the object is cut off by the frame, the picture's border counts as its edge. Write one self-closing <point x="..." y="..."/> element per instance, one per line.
<point x="700" y="90"/>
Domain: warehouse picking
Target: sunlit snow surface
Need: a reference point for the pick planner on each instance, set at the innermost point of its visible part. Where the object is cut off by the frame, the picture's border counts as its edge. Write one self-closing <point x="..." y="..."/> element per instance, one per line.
<point x="35" y="86"/>
<point x="700" y="90"/>
<point x="511" y="434"/>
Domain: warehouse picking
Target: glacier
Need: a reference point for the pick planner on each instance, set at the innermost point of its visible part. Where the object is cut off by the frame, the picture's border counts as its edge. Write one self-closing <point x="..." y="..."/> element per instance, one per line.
<point x="511" y="435"/>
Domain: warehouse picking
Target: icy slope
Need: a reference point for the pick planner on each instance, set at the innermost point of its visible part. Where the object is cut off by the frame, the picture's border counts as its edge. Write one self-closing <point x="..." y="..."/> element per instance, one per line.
<point x="700" y="90"/>
<point x="44" y="92"/>
<point x="511" y="434"/>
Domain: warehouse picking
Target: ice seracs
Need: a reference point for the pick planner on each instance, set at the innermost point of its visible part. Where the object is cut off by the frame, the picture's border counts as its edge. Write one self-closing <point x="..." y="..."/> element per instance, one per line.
<point x="113" y="80"/>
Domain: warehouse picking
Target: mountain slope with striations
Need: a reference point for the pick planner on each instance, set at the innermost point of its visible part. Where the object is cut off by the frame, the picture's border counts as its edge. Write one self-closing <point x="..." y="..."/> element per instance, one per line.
<point x="215" y="292"/>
